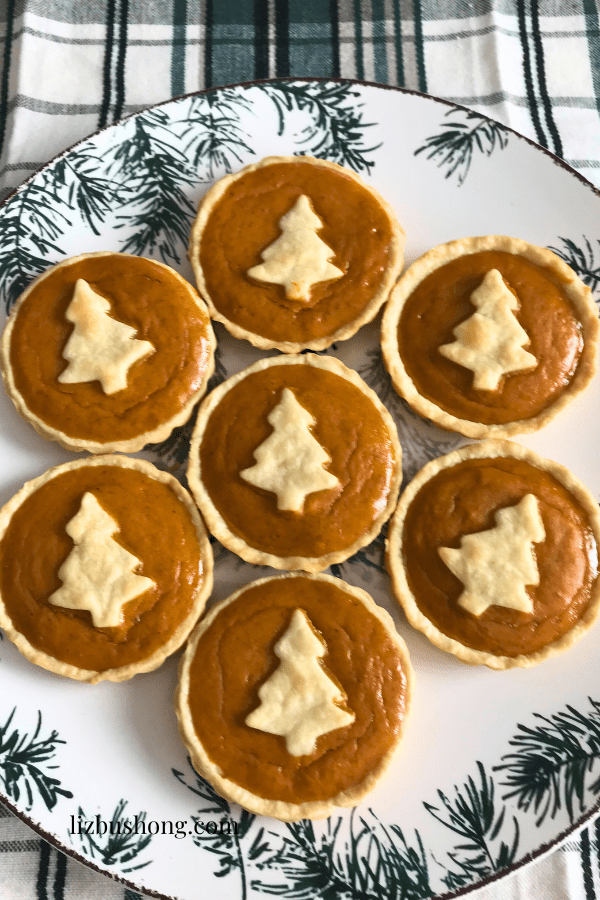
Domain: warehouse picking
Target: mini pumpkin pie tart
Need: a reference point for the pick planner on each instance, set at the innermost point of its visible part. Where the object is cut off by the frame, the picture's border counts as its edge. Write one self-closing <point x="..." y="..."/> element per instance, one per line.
<point x="107" y="352"/>
<point x="295" y="253"/>
<point x="293" y="695"/>
<point x="490" y="336"/>
<point x="493" y="553"/>
<point x="295" y="463"/>
<point x="105" y="568"/>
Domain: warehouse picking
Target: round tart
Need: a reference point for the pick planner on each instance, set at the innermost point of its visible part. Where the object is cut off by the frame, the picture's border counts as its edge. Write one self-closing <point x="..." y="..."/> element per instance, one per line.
<point x="107" y="352"/>
<point x="295" y="253"/>
<point x="493" y="553"/>
<point x="105" y="568"/>
<point x="490" y="336"/>
<point x="293" y="695"/>
<point x="295" y="463"/>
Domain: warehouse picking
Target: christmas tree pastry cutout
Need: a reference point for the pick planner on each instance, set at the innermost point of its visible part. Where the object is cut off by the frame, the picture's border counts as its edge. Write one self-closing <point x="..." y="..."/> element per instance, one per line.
<point x="98" y="574"/>
<point x="491" y="341"/>
<point x="496" y="565"/>
<point x="100" y="347"/>
<point x="290" y="462"/>
<point x="300" y="701"/>
<point x="298" y="258"/>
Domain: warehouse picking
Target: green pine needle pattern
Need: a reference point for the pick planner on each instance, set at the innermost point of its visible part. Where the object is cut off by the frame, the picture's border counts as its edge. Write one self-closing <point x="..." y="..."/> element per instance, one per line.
<point x="235" y="842"/>
<point x="156" y="173"/>
<point x="31" y="228"/>
<point x="24" y="769"/>
<point x="585" y="261"/>
<point x="454" y="147"/>
<point x="472" y="814"/>
<point x="120" y="845"/>
<point x="214" y="139"/>
<point x="335" y="127"/>
<point x="553" y="764"/>
<point x="366" y="862"/>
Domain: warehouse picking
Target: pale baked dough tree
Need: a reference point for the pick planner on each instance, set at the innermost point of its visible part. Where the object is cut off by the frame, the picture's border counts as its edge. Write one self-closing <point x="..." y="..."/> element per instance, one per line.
<point x="300" y="701"/>
<point x="298" y="258"/>
<point x="491" y="341"/>
<point x="290" y="462"/>
<point x="496" y="565"/>
<point x="98" y="574"/>
<point x="100" y="347"/>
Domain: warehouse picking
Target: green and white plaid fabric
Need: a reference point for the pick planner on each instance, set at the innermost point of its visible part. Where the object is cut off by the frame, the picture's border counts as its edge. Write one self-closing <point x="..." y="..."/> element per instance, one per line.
<point x="70" y="67"/>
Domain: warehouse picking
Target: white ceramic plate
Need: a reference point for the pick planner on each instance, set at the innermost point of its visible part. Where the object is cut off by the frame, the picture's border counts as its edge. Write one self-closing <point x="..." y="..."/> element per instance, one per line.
<point x="496" y="768"/>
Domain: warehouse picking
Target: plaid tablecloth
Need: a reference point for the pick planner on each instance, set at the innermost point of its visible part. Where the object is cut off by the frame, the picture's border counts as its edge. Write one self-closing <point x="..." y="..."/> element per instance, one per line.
<point x="70" y="67"/>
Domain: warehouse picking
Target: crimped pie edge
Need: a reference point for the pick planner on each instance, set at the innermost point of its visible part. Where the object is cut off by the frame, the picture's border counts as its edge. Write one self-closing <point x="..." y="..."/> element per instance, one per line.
<point x="215" y="522"/>
<point x="123" y="673"/>
<point x="490" y="449"/>
<point x="131" y="445"/>
<point x="579" y="294"/>
<point x="279" y="809"/>
<point x="211" y="198"/>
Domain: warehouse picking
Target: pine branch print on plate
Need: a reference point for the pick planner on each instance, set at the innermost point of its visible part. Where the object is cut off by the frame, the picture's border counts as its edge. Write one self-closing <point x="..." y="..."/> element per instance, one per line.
<point x="31" y="226"/>
<point x="370" y="559"/>
<point x="552" y="764"/>
<point x="122" y="842"/>
<point x="232" y="838"/>
<point x="474" y="817"/>
<point x="76" y="182"/>
<point x="421" y="440"/>
<point x="335" y="128"/>
<point x="584" y="262"/>
<point x="353" y="857"/>
<point x="214" y="139"/>
<point x="173" y="452"/>
<point x="156" y="173"/>
<point x="453" y="148"/>
<point x="24" y="764"/>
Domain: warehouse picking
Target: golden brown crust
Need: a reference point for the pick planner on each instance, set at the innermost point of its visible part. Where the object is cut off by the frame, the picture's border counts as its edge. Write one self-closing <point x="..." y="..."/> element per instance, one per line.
<point x="278" y="809"/>
<point x="132" y="445"/>
<point x="122" y="673"/>
<point x="394" y="554"/>
<point x="212" y="197"/>
<point x="213" y="518"/>
<point x="578" y="293"/>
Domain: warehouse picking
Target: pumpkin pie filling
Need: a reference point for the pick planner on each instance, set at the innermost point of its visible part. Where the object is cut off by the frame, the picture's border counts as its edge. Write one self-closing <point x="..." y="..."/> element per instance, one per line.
<point x="145" y="296"/>
<point x="245" y="221"/>
<point x="464" y="499"/>
<point x="441" y="301"/>
<point x="36" y="544"/>
<point x="349" y="428"/>
<point x="235" y="655"/>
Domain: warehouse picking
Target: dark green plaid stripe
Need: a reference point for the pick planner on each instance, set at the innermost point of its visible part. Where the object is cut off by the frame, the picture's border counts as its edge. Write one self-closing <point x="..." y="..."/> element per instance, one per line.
<point x="4" y="84"/>
<point x="592" y="18"/>
<point x="178" y="50"/>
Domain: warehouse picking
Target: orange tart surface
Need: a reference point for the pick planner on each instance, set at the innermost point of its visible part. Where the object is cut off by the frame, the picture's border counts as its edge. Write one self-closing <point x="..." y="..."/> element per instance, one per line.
<point x="295" y="463"/>
<point x="295" y="253"/>
<point x="107" y="351"/>
<point x="105" y="568"/>
<point x="490" y="336"/>
<point x="293" y="695"/>
<point x="493" y="552"/>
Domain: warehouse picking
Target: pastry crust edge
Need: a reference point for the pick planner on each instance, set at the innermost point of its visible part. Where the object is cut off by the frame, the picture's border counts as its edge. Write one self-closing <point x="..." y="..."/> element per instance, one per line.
<point x="211" y="515"/>
<point x="150" y="663"/>
<point x="129" y="445"/>
<point x="578" y="293"/>
<point x="211" y="198"/>
<point x="490" y="449"/>
<point x="281" y="809"/>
